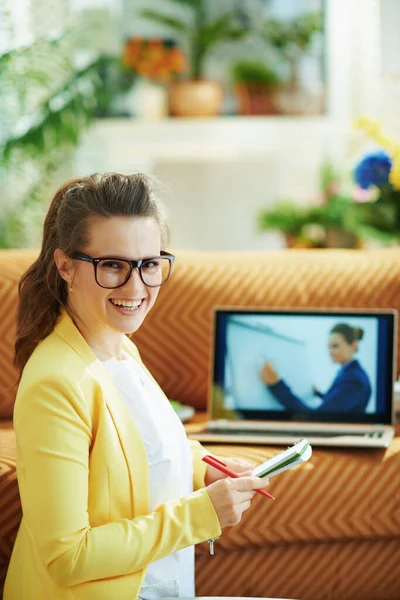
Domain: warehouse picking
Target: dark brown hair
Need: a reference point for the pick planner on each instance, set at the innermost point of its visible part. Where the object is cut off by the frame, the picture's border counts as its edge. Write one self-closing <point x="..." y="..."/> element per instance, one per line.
<point x="350" y="334"/>
<point x="42" y="290"/>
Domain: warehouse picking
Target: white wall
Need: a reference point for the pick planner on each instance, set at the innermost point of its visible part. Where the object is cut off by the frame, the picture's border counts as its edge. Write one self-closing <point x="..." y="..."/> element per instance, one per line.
<point x="216" y="174"/>
<point x="390" y="44"/>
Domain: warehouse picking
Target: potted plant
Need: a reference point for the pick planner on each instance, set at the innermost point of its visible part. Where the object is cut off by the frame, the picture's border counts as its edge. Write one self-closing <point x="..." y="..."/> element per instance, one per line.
<point x="156" y="62"/>
<point x="197" y="96"/>
<point x="289" y="218"/>
<point x="254" y="87"/>
<point x="326" y="224"/>
<point x="292" y="39"/>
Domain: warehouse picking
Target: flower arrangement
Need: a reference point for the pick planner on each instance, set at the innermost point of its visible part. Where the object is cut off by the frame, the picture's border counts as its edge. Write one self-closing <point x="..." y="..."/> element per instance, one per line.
<point x="377" y="192"/>
<point x="368" y="208"/>
<point x="386" y="166"/>
<point x="155" y="59"/>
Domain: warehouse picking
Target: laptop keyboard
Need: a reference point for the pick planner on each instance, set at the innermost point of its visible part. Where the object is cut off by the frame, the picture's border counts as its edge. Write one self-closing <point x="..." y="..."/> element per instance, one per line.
<point x="299" y="434"/>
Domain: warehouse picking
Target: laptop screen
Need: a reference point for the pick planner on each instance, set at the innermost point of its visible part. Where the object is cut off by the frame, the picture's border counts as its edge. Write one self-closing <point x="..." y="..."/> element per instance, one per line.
<point x="330" y="366"/>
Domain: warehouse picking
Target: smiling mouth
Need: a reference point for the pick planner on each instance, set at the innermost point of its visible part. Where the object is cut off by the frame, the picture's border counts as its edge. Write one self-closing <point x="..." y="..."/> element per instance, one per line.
<point x="127" y="305"/>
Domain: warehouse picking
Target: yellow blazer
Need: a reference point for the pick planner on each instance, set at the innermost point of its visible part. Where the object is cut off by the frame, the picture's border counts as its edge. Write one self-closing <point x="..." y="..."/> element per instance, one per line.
<point x="86" y="531"/>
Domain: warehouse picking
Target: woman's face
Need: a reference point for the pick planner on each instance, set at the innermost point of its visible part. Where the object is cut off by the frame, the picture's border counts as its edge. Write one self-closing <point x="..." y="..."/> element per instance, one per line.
<point x="339" y="350"/>
<point x="133" y="238"/>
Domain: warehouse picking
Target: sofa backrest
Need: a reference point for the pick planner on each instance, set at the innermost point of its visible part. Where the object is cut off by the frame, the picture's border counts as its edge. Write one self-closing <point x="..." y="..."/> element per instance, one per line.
<point x="175" y="339"/>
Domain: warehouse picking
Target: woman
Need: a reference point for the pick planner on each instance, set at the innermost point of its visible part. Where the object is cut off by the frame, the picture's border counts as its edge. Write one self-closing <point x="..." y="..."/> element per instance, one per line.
<point x="105" y="471"/>
<point x="351" y="388"/>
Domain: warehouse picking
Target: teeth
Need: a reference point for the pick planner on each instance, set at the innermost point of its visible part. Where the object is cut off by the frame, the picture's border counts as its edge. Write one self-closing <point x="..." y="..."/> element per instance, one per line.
<point x="127" y="304"/>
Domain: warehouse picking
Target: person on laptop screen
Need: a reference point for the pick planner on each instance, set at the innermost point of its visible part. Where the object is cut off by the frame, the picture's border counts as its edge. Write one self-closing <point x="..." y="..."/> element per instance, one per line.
<point x="350" y="390"/>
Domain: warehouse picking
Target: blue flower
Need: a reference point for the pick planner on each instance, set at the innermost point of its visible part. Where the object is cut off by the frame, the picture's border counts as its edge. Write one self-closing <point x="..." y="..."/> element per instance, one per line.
<point x="373" y="169"/>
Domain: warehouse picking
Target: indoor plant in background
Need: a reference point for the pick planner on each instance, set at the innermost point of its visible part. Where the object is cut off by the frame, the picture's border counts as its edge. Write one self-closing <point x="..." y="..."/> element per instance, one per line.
<point x="291" y="219"/>
<point x="196" y="95"/>
<point x="156" y="63"/>
<point x="292" y="39"/>
<point x="49" y="90"/>
<point x="322" y="224"/>
<point x="254" y="87"/>
<point x="367" y="208"/>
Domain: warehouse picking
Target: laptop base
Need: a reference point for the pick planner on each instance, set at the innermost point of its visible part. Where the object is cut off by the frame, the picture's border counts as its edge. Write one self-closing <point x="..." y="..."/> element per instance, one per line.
<point x="226" y="432"/>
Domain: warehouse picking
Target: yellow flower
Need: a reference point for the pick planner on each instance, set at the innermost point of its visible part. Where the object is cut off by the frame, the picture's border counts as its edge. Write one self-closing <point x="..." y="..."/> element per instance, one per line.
<point x="374" y="130"/>
<point x="394" y="175"/>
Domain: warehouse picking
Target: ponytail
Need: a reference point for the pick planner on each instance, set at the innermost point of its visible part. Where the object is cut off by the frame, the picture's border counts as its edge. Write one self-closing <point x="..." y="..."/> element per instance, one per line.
<point x="42" y="292"/>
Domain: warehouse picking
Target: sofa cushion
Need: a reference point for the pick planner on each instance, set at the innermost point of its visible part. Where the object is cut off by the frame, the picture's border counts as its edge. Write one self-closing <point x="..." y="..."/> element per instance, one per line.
<point x="339" y="570"/>
<point x="339" y="494"/>
<point x="13" y="263"/>
<point x="10" y="505"/>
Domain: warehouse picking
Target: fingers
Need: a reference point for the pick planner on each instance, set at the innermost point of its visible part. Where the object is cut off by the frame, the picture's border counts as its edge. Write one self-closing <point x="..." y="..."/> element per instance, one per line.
<point x="244" y="473"/>
<point x="245" y="496"/>
<point x="240" y="464"/>
<point x="244" y="506"/>
<point x="232" y="496"/>
<point x="243" y="484"/>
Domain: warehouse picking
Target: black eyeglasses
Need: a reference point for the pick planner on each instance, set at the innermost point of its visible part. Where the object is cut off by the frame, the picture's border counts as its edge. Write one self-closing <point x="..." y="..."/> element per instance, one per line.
<point x="113" y="272"/>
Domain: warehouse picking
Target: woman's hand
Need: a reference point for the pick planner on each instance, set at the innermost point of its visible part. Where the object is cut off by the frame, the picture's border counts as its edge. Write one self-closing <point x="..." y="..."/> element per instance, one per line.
<point x="231" y="497"/>
<point x="269" y="375"/>
<point x="242" y="467"/>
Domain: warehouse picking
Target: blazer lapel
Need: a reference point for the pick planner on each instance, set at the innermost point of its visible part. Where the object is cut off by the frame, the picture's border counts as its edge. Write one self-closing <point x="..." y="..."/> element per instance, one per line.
<point x="130" y="439"/>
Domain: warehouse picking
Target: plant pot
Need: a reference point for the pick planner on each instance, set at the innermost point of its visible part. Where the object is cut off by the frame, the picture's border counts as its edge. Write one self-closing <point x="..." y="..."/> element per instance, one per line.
<point x="336" y="238"/>
<point x="255" y="99"/>
<point x="293" y="241"/>
<point x="296" y="99"/>
<point x="149" y="100"/>
<point x="195" y="98"/>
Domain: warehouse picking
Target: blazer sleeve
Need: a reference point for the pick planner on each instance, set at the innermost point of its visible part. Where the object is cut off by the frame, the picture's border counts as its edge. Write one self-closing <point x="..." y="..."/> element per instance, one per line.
<point x="54" y="436"/>
<point x="347" y="394"/>
<point x="282" y="392"/>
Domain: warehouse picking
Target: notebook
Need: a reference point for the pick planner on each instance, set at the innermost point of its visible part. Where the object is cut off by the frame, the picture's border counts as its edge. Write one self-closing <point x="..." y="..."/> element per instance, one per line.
<point x="332" y="375"/>
<point x="293" y="456"/>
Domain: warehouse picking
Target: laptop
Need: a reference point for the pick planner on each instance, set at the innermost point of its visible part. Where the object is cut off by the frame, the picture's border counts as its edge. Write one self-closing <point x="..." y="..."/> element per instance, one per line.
<point x="278" y="376"/>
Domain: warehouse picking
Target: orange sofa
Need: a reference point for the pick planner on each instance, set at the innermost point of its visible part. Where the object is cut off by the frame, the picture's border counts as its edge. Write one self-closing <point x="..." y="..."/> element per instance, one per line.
<point x="334" y="531"/>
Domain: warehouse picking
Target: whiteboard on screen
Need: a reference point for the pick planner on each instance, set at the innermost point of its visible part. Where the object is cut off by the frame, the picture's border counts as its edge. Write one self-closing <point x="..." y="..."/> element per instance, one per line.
<point x="248" y="347"/>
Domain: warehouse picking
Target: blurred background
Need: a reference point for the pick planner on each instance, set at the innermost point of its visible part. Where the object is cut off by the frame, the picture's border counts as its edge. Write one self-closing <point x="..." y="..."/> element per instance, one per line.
<point x="266" y="123"/>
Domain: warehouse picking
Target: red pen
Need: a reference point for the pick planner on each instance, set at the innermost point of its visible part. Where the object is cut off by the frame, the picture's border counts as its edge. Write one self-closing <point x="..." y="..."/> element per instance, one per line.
<point x="221" y="466"/>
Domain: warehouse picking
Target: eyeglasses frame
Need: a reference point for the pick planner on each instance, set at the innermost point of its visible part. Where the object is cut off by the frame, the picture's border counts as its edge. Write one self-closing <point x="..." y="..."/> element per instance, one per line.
<point x="134" y="264"/>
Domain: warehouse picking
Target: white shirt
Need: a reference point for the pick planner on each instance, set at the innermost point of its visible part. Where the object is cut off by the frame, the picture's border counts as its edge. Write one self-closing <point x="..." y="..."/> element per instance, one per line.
<point x="170" y="464"/>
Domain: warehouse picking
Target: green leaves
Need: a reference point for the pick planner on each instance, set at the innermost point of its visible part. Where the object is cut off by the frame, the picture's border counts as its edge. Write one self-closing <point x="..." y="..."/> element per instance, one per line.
<point x="193" y="4"/>
<point x="291" y="36"/>
<point x="252" y="71"/>
<point x="49" y="134"/>
<point x="220" y="29"/>
<point x="177" y="25"/>
<point x="286" y="216"/>
<point x="63" y="123"/>
<point x="332" y="214"/>
<point x="199" y="33"/>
